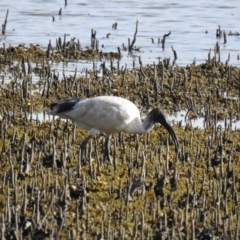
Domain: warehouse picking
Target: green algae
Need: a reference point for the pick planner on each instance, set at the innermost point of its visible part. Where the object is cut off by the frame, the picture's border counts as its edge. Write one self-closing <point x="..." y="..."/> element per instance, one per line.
<point x="92" y="197"/>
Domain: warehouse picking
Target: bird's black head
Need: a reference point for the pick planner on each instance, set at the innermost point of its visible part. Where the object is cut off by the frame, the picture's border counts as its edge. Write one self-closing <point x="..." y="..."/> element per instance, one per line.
<point x="158" y="116"/>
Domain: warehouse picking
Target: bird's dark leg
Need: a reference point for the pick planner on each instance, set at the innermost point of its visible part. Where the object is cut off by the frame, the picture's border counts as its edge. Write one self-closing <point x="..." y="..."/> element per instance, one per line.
<point x="106" y="151"/>
<point x="84" y="146"/>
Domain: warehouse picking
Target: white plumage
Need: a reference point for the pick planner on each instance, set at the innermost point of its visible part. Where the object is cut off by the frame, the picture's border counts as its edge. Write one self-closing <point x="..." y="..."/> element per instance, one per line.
<point x="108" y="114"/>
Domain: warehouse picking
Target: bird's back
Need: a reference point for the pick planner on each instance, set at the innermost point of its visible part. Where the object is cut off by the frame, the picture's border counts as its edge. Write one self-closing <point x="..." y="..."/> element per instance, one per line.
<point x="107" y="114"/>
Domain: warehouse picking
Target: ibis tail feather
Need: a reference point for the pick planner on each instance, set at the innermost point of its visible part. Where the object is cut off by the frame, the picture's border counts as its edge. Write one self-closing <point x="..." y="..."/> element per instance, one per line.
<point x="63" y="105"/>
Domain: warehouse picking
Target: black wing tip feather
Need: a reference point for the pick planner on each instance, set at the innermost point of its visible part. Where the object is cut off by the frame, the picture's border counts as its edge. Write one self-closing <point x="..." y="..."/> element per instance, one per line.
<point x="64" y="105"/>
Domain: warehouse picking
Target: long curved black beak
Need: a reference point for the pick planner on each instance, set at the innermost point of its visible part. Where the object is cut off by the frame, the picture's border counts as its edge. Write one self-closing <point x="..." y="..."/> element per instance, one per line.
<point x="165" y="124"/>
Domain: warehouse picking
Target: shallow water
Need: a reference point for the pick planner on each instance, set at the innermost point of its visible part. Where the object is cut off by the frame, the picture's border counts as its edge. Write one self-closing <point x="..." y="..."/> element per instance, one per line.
<point x="192" y="24"/>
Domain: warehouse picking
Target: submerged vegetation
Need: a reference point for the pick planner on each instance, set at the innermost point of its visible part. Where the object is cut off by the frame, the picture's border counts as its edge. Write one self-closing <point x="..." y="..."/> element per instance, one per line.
<point x="149" y="192"/>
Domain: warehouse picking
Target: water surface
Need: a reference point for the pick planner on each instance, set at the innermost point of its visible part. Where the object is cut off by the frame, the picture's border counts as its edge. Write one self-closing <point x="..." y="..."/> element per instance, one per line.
<point x="192" y="24"/>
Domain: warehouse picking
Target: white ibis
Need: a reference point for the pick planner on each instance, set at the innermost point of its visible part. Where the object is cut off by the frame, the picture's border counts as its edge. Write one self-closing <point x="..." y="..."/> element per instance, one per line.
<point x="109" y="114"/>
